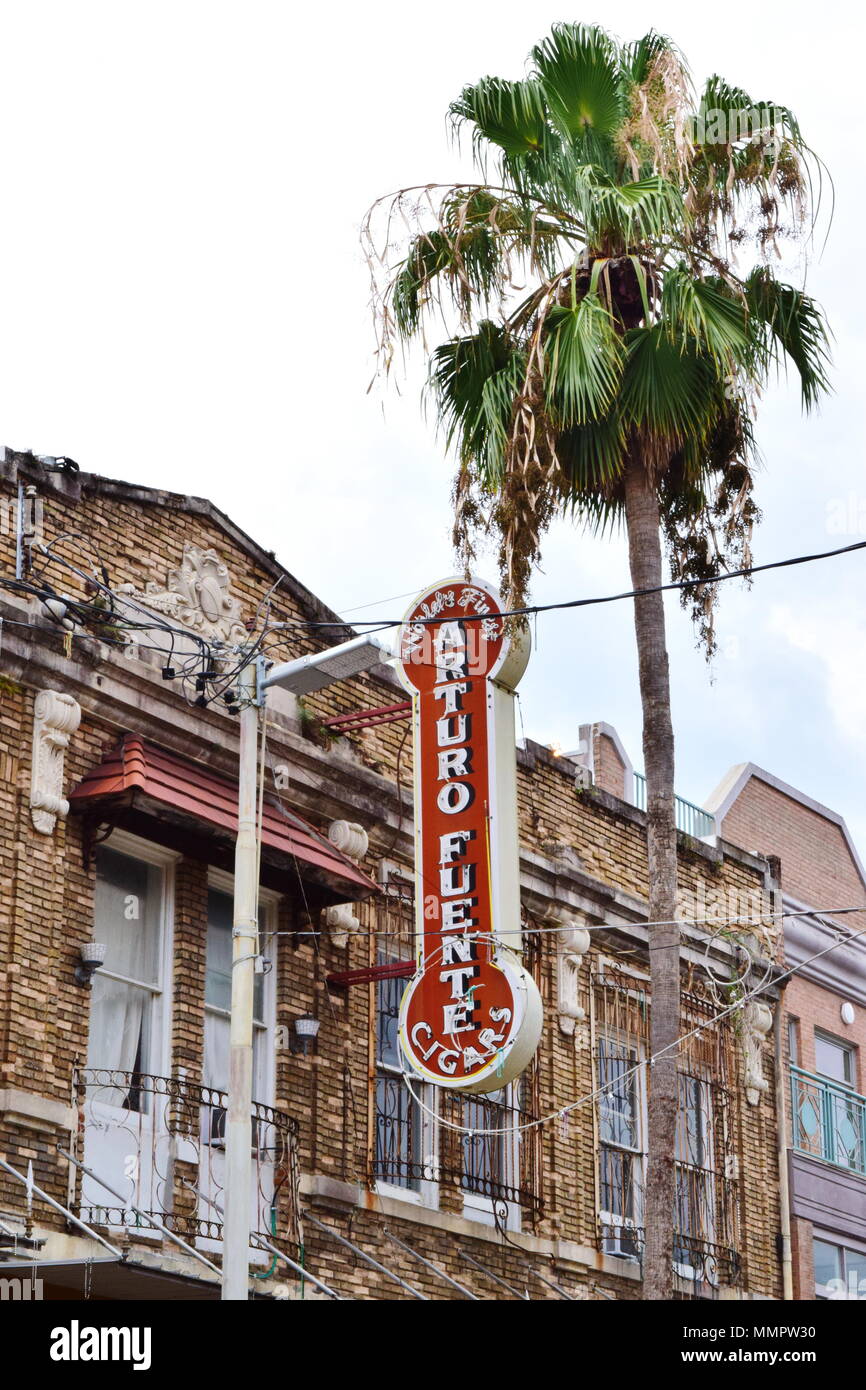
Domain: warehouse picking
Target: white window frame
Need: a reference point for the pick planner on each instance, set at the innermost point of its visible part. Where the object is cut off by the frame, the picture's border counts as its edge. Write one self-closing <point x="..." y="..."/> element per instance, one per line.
<point x="224" y="883"/>
<point x="607" y="1218"/>
<point x="848" y="1050"/>
<point x="134" y="847"/>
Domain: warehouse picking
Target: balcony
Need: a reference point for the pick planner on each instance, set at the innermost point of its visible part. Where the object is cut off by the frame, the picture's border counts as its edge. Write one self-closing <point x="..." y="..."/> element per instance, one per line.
<point x="691" y="819"/>
<point x="159" y="1142"/>
<point x="828" y="1121"/>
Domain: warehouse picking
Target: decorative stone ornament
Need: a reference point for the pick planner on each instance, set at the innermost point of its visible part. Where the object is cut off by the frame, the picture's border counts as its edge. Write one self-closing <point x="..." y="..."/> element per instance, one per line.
<point x="573" y="946"/>
<point x="55" y="719"/>
<point x="340" y="921"/>
<point x="352" y="840"/>
<point x="757" y="1022"/>
<point x="197" y="595"/>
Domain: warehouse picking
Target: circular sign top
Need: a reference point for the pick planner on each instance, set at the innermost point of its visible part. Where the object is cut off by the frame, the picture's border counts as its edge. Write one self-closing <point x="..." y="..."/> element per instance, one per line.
<point x="459" y="621"/>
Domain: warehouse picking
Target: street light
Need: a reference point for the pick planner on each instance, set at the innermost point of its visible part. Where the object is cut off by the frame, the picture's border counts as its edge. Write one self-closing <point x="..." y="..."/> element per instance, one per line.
<point x="314" y="672"/>
<point x="306" y="674"/>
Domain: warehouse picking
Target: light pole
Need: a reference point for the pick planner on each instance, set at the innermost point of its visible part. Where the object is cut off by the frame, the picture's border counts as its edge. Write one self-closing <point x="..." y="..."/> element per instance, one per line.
<point x="306" y="674"/>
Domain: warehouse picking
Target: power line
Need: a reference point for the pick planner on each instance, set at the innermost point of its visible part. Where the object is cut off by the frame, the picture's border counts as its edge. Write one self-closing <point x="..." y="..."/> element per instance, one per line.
<point x="750" y="919"/>
<point x="531" y="609"/>
<point x="565" y="1110"/>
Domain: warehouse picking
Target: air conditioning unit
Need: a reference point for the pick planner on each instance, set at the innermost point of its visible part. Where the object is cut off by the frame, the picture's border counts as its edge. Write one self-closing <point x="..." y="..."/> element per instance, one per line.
<point x="621" y="1240"/>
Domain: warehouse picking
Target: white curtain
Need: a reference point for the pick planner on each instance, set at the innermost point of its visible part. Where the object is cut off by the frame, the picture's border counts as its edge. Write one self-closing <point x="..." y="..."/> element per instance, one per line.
<point x="126" y="918"/>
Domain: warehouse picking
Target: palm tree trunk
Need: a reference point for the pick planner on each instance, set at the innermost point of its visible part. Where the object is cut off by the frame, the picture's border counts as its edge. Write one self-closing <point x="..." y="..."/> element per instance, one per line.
<point x="645" y="559"/>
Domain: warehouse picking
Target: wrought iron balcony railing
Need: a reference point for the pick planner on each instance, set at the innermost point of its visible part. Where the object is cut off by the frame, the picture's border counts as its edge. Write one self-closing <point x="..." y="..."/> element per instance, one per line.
<point x="828" y="1121"/>
<point x="691" y="819"/>
<point x="160" y="1141"/>
<point x="490" y="1155"/>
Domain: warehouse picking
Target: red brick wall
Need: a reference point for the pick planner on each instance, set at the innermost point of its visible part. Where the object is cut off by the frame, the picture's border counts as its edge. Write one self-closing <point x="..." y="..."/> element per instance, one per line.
<point x="817" y="867"/>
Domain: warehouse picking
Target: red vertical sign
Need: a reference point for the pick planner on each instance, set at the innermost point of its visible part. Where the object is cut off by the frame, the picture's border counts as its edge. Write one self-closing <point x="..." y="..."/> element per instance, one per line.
<point x="469" y="1014"/>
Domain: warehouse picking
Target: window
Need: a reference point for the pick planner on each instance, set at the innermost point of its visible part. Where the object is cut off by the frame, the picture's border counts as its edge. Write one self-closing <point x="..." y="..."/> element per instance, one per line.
<point x="126" y="994"/>
<point x="493" y="1179"/>
<point x="834" y="1059"/>
<point x="217" y="1014"/>
<point x="695" y="1221"/>
<point x="621" y="1152"/>
<point x="843" y="1115"/>
<point x="486" y="1158"/>
<point x="840" y="1272"/>
<point x="706" y="1210"/>
<point x="397" y="1159"/>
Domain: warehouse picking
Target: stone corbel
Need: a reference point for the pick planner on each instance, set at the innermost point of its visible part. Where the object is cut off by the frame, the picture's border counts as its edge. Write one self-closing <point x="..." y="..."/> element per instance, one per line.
<point x="757" y="1022"/>
<point x="55" y="719"/>
<point x="340" y="920"/>
<point x="352" y="840"/>
<point x="572" y="946"/>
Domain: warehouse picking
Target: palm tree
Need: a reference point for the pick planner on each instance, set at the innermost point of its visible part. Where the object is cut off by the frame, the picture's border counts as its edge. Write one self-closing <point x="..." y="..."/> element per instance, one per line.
<point x="619" y="383"/>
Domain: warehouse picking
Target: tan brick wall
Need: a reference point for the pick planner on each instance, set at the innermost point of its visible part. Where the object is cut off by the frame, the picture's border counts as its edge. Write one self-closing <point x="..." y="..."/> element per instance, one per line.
<point x="46" y="913"/>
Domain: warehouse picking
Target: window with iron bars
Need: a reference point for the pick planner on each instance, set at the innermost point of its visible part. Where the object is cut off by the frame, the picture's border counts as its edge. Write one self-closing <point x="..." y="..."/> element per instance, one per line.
<point x="494" y="1158"/>
<point x="493" y="1163"/>
<point x="404" y="1129"/>
<point x="706" y="1214"/>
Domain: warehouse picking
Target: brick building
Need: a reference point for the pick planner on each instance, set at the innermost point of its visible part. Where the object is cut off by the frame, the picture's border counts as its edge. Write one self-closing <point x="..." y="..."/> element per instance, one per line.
<point x="825" y="1012"/>
<point x="118" y="792"/>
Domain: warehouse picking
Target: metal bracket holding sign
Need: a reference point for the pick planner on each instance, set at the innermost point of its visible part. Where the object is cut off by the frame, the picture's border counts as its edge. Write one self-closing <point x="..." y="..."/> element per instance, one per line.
<point x="471" y="1016"/>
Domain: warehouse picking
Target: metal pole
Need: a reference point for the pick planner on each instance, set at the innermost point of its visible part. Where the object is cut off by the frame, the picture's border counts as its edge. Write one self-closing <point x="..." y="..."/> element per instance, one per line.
<point x="65" y="1210"/>
<point x="463" y="1254"/>
<point x="428" y="1264"/>
<point x="147" y="1216"/>
<point x="782" y="1146"/>
<point x="238" y="1185"/>
<point x="362" y="1254"/>
<point x="263" y="1244"/>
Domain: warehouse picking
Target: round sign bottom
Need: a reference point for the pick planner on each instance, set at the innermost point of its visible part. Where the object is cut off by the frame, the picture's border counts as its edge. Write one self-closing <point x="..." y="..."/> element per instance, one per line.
<point x="478" y="1036"/>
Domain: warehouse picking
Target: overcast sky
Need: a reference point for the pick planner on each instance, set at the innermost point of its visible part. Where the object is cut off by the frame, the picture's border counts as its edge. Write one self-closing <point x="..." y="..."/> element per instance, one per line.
<point x="184" y="304"/>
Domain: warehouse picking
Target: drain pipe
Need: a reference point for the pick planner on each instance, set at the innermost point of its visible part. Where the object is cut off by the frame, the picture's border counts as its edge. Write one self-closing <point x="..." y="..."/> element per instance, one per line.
<point x="782" y="1131"/>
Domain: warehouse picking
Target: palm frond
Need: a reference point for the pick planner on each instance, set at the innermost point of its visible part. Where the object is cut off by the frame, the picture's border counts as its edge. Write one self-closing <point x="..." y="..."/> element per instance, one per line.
<point x="577" y="67"/>
<point x="667" y="389"/>
<point x="591" y="459"/>
<point x="705" y="312"/>
<point x="638" y="59"/>
<point x="621" y="216"/>
<point x="474" y="380"/>
<point x="584" y="361"/>
<point x="468" y="266"/>
<point x="795" y="328"/>
<point x="510" y="115"/>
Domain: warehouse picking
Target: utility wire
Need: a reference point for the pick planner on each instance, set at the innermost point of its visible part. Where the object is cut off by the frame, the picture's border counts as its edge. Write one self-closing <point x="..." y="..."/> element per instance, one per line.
<point x="702" y="1027"/>
<point x="751" y="919"/>
<point x="532" y="609"/>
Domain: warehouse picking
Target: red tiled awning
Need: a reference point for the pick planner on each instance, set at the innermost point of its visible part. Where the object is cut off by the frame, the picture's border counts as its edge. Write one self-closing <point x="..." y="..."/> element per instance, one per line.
<point x="143" y="787"/>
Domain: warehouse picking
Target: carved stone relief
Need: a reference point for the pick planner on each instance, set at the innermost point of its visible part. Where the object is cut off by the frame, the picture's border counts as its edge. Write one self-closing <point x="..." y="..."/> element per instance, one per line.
<point x="573" y="944"/>
<point x="198" y="595"/>
<point x="55" y="719"/>
<point x="757" y="1022"/>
